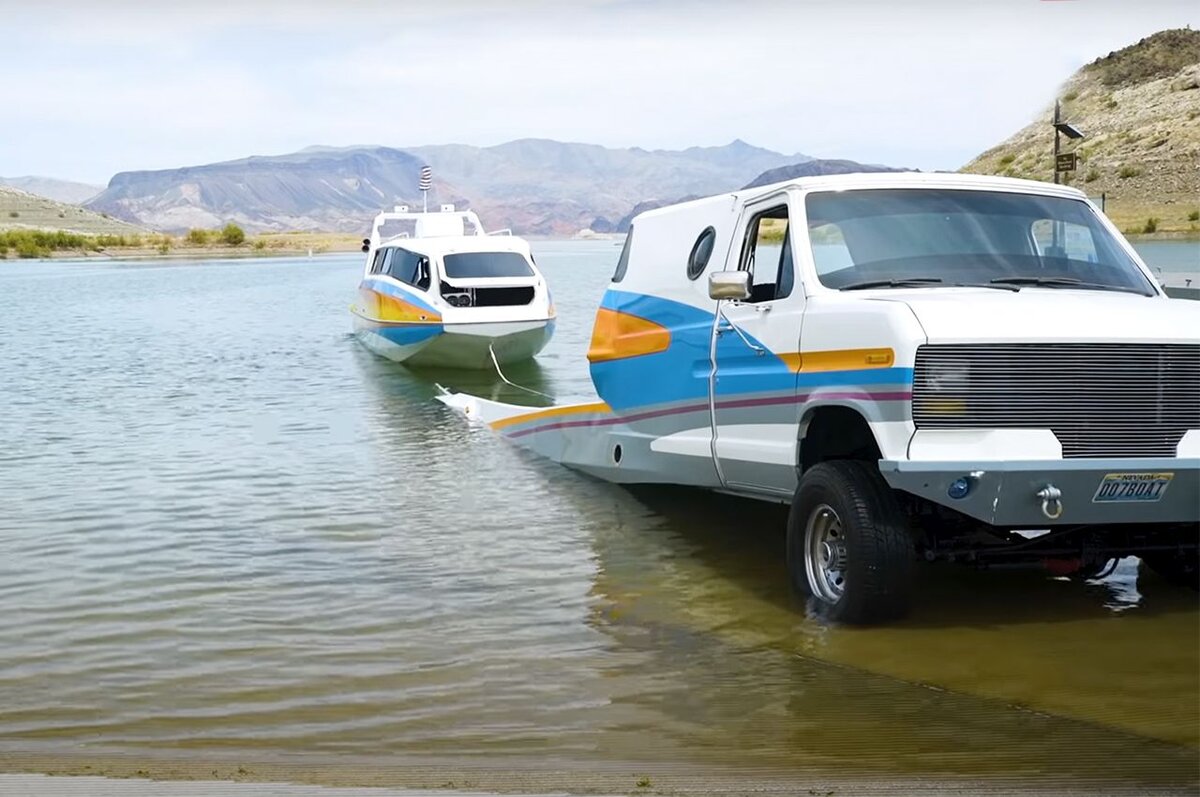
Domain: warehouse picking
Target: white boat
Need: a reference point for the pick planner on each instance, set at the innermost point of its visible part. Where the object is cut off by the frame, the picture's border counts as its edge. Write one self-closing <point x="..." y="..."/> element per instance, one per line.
<point x="447" y="294"/>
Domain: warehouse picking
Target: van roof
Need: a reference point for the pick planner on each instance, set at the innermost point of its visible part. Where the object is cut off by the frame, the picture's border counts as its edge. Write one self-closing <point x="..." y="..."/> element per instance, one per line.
<point x="866" y="180"/>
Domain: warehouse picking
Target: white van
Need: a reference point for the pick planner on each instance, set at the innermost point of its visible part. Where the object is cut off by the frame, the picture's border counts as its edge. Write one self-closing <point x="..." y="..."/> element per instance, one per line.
<point x="943" y="366"/>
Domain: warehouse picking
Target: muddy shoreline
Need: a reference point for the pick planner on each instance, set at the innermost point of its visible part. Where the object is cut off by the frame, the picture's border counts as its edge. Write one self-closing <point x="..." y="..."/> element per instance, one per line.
<point x="532" y="776"/>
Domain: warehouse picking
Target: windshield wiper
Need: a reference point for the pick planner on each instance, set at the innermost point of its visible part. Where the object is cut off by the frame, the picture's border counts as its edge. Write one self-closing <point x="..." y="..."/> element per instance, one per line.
<point x="1064" y="282"/>
<point x="903" y="282"/>
<point x="924" y="282"/>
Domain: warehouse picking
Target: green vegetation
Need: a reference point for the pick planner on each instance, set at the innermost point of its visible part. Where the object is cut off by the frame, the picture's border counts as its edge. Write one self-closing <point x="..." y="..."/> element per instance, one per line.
<point x="197" y="237"/>
<point x="1093" y="174"/>
<point x="40" y="243"/>
<point x="43" y="243"/>
<point x="1112" y="103"/>
<point x="1194" y="215"/>
<point x="233" y="235"/>
<point x="644" y="783"/>
<point x="107" y="241"/>
<point x="12" y="214"/>
<point x="1007" y="159"/>
<point x="1128" y="171"/>
<point x="1070" y="96"/>
<point x="1150" y="226"/>
<point x="260" y="245"/>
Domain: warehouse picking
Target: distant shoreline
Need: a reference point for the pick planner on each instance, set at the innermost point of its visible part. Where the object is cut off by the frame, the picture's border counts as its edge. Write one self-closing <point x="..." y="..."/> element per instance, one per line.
<point x="288" y="244"/>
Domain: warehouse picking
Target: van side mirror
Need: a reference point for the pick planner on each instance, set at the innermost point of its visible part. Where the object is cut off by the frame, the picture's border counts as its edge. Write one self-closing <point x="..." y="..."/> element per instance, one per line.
<point x="729" y="285"/>
<point x="366" y="245"/>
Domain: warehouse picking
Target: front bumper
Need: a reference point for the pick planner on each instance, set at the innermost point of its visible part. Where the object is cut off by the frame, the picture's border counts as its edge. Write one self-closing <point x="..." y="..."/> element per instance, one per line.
<point x="1007" y="493"/>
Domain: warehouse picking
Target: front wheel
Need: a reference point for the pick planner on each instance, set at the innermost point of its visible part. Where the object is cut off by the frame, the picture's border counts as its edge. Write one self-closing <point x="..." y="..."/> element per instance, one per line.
<point x="848" y="546"/>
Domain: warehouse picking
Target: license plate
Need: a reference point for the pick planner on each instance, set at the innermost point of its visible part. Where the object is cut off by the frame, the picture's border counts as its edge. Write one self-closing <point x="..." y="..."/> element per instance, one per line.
<point x="1145" y="487"/>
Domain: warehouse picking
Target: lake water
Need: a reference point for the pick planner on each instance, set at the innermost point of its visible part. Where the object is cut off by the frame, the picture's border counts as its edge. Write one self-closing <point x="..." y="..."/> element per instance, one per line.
<point x="230" y="534"/>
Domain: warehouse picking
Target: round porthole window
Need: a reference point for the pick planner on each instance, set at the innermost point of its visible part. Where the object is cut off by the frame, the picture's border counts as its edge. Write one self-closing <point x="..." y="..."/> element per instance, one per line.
<point x="701" y="251"/>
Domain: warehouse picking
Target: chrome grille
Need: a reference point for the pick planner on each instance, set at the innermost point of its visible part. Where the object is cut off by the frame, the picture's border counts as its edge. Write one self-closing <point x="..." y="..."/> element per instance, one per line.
<point x="1100" y="400"/>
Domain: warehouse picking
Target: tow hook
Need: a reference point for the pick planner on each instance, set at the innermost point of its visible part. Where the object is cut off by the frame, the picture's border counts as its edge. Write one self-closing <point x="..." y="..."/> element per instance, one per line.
<point x="1051" y="497"/>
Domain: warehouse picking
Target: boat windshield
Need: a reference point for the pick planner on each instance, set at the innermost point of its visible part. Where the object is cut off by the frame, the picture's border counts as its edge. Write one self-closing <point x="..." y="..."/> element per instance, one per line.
<point x="470" y="265"/>
<point x="938" y="238"/>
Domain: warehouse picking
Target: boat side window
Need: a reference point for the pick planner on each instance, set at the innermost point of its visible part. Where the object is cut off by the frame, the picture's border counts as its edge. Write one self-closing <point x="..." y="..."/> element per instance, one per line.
<point x="423" y="274"/>
<point x="767" y="255"/>
<point x="411" y="268"/>
<point x="377" y="263"/>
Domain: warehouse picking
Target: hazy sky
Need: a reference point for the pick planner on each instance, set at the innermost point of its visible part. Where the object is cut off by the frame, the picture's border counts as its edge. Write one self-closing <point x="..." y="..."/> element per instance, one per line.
<point x="92" y="88"/>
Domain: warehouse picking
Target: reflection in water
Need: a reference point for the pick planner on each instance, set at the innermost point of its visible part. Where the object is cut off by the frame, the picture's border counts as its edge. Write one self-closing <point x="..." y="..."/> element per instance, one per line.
<point x="231" y="531"/>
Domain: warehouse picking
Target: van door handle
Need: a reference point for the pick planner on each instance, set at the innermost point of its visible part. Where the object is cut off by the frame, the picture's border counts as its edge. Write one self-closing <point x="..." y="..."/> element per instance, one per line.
<point x="722" y="318"/>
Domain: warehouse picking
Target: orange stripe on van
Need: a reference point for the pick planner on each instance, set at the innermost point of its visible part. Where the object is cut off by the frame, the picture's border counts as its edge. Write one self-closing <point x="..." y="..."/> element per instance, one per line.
<point x="839" y="360"/>
<point x="552" y="412"/>
<point x="618" y="335"/>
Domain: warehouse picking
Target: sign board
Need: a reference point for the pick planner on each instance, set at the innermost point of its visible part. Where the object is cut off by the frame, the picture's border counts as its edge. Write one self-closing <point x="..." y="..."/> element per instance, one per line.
<point x="1065" y="162"/>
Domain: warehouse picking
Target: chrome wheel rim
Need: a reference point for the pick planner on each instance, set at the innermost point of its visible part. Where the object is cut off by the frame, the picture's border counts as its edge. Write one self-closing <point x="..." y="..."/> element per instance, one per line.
<point x="825" y="554"/>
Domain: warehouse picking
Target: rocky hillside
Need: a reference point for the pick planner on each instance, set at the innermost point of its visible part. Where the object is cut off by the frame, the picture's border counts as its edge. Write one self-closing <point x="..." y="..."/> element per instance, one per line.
<point x="334" y="190"/>
<point x="1140" y="110"/>
<point x="23" y="210"/>
<point x="59" y="190"/>
<point x="531" y="186"/>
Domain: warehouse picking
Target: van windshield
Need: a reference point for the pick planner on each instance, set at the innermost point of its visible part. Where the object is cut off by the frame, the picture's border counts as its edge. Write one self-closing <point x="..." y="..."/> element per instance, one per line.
<point x="471" y="265"/>
<point x="938" y="237"/>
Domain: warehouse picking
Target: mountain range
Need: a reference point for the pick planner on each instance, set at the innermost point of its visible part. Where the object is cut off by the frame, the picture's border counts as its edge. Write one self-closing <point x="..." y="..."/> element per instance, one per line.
<point x="59" y="190"/>
<point x="532" y="186"/>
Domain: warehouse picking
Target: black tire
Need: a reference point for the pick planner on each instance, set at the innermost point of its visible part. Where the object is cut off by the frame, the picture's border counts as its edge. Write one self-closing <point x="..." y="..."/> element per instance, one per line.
<point x="1182" y="569"/>
<point x="875" y="545"/>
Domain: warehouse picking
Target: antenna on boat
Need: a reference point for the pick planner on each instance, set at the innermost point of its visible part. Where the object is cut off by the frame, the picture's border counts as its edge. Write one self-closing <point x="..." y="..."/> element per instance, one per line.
<point x="425" y="184"/>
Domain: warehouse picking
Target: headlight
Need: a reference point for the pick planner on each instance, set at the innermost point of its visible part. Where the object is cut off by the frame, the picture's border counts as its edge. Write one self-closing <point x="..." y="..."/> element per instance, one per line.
<point x="947" y="385"/>
<point x="948" y="378"/>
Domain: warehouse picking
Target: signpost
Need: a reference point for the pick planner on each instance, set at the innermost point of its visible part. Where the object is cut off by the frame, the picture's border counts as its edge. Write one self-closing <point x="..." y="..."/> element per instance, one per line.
<point x="1063" y="162"/>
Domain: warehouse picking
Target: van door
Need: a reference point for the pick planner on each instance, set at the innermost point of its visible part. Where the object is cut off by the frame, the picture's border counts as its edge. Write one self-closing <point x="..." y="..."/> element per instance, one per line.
<point x="755" y="416"/>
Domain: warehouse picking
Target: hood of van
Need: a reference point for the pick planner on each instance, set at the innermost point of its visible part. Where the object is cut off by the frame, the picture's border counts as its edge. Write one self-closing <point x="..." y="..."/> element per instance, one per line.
<point x="1049" y="314"/>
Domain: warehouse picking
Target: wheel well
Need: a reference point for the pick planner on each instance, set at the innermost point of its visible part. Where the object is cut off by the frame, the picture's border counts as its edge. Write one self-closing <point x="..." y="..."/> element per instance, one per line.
<point x="835" y="433"/>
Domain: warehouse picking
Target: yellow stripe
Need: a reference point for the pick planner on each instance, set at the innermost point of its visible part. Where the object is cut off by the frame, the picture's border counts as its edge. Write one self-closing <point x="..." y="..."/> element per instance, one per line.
<point x="384" y="308"/>
<point x="551" y="412"/>
<point x="839" y="360"/>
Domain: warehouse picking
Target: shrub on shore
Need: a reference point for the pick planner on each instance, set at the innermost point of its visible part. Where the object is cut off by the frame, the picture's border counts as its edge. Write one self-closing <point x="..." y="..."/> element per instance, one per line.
<point x="1150" y="226"/>
<point x="1194" y="215"/>
<point x="233" y="235"/>
<point x="40" y="243"/>
<point x="198" y="237"/>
